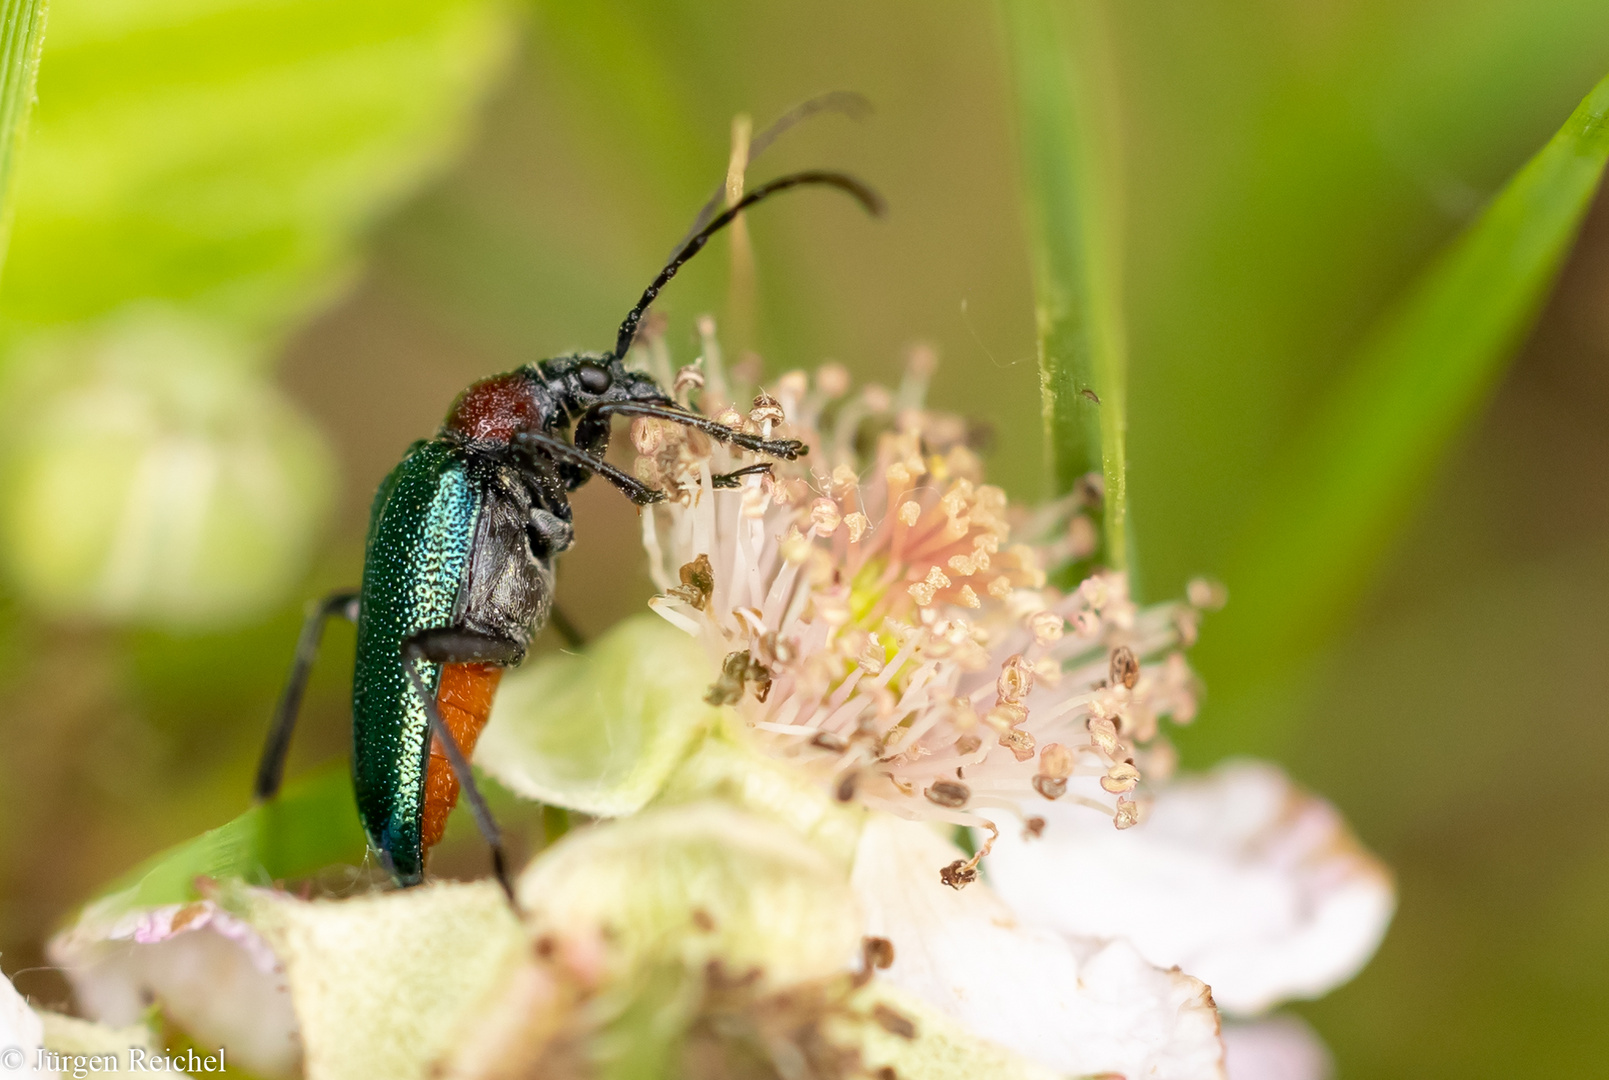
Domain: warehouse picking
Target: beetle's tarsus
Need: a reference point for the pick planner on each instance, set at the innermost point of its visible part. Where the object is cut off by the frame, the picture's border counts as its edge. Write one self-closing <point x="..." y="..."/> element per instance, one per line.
<point x="732" y="479"/>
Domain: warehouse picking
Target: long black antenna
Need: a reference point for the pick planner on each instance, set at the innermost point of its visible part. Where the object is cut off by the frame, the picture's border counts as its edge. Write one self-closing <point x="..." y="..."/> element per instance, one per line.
<point x="867" y="198"/>
<point x="845" y="102"/>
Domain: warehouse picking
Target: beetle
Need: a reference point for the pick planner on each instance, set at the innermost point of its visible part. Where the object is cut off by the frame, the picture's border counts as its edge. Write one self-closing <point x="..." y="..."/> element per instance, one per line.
<point x="459" y="561"/>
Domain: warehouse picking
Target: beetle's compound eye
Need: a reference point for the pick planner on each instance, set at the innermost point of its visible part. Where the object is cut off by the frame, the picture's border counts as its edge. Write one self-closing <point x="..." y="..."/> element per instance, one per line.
<point x="595" y="378"/>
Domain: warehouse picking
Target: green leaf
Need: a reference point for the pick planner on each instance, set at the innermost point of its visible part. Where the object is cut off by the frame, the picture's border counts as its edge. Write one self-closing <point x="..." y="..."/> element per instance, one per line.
<point x="1424" y="371"/>
<point x="601" y="731"/>
<point x="22" y="33"/>
<point x="1072" y="224"/>
<point x="312" y="824"/>
<point x="226" y="153"/>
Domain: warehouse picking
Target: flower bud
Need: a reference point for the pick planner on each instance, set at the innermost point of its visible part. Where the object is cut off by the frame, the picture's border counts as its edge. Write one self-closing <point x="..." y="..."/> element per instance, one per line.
<point x="155" y="476"/>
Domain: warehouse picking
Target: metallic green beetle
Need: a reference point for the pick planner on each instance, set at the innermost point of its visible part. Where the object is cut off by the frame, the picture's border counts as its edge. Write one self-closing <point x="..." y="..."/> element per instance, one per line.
<point x="458" y="569"/>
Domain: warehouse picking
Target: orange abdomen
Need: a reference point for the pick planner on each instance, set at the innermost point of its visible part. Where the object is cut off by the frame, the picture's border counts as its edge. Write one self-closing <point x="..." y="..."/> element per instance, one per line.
<point x="465" y="700"/>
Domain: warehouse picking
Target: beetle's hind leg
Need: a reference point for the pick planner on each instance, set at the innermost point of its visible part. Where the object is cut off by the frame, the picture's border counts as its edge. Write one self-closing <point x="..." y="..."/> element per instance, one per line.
<point x="271" y="766"/>
<point x="449" y="646"/>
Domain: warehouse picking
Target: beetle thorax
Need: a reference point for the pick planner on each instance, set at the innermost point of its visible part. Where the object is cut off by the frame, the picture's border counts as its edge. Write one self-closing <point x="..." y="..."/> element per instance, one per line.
<point x="498" y="407"/>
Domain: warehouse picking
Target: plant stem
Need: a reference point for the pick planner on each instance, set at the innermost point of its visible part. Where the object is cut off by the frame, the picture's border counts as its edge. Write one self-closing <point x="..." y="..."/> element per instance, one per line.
<point x="1056" y="53"/>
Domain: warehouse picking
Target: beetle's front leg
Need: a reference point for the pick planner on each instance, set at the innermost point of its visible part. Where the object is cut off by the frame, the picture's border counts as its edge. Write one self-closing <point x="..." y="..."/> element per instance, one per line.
<point x="540" y="442"/>
<point x="449" y="646"/>
<point x="787" y="449"/>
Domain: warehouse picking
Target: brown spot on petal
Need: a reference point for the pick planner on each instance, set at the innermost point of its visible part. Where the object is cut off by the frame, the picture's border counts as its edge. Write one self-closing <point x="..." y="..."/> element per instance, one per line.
<point x="830" y="740"/>
<point x="846" y="786"/>
<point x="893" y="1021"/>
<point x="877" y="952"/>
<point x="703" y="920"/>
<point x="1033" y="828"/>
<point x="188" y="914"/>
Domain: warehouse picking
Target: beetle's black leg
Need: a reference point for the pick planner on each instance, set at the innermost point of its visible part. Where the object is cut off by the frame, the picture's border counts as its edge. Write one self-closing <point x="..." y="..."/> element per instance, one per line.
<point x="449" y="646"/>
<point x="271" y="767"/>
<point x="730" y="479"/>
<point x="559" y="450"/>
<point x="781" y="448"/>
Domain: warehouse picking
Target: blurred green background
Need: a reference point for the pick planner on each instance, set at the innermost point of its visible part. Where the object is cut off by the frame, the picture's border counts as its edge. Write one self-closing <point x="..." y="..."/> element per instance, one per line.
<point x="1285" y="170"/>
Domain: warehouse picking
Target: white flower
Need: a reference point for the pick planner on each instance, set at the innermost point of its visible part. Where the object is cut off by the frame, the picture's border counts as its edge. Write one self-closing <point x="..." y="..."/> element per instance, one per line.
<point x="874" y="625"/>
<point x="876" y="631"/>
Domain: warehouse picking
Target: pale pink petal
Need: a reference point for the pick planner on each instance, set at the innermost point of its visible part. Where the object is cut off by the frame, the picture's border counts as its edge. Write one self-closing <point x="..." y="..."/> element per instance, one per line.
<point x="1277" y="1048"/>
<point x="1077" y="1006"/>
<point x="1236" y="876"/>
<point x="214" y="975"/>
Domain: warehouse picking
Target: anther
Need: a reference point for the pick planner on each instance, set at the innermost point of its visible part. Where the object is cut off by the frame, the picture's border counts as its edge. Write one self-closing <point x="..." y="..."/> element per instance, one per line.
<point x="832" y="380"/>
<point x="1019" y="742"/>
<point x="826" y="516"/>
<point x="1047" y="627"/>
<point x="1051" y="787"/>
<point x="1120" y="778"/>
<point x="766" y="410"/>
<point x="951" y="794"/>
<point x="1125" y="669"/>
<point x="1056" y="761"/>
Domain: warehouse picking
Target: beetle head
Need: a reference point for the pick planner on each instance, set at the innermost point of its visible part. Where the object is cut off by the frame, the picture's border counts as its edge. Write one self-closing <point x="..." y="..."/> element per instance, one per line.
<point x="587" y="379"/>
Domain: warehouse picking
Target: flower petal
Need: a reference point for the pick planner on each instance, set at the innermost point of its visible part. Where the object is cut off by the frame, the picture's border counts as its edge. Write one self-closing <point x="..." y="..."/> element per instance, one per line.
<point x="703" y="881"/>
<point x="1076" y="1006"/>
<point x="600" y="731"/>
<point x="377" y="985"/>
<point x="1236" y="876"/>
<point x="1280" y="1047"/>
<point x="213" y="974"/>
<point x="940" y="1049"/>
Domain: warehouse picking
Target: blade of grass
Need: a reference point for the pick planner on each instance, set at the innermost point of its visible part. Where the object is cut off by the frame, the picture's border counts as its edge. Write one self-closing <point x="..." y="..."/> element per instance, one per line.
<point x="1423" y="372"/>
<point x="22" y="35"/>
<point x="1056" y="62"/>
